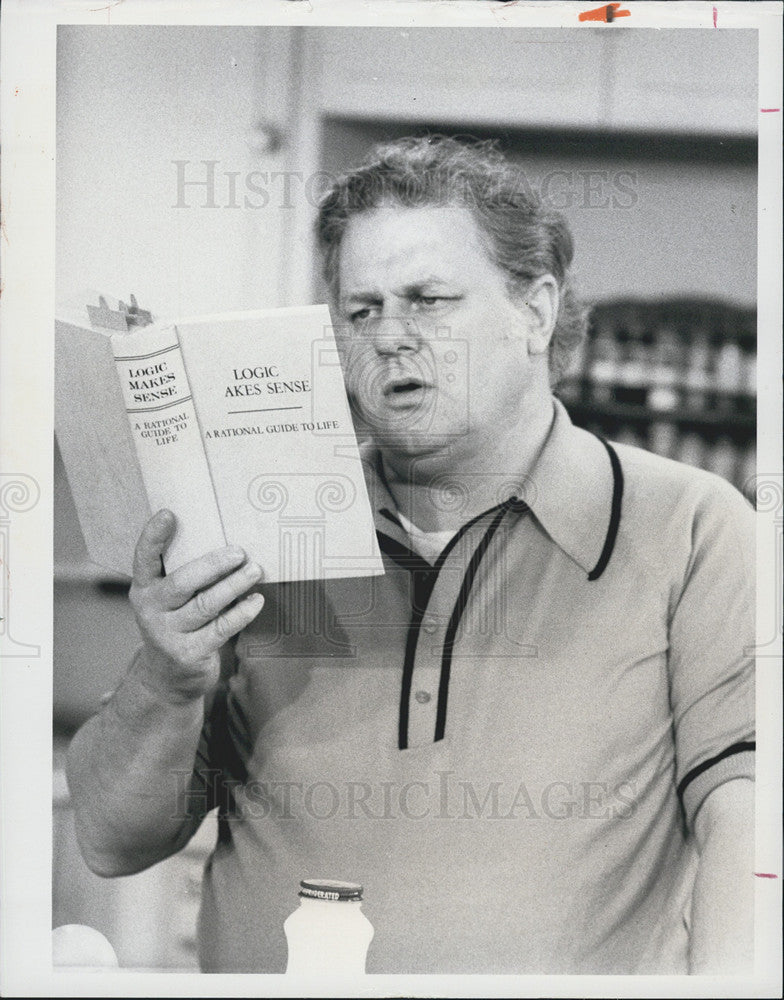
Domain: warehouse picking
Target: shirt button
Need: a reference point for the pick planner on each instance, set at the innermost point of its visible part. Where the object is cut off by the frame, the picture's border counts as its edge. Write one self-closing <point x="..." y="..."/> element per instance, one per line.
<point x="423" y="697"/>
<point x="430" y="627"/>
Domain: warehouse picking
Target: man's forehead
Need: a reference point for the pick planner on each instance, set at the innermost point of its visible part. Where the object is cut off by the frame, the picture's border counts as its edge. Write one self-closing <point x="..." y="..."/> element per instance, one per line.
<point x="415" y="244"/>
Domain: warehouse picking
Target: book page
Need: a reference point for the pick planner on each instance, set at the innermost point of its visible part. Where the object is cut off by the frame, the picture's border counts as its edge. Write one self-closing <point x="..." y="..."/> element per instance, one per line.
<point x="280" y="443"/>
<point x="97" y="448"/>
<point x="167" y="440"/>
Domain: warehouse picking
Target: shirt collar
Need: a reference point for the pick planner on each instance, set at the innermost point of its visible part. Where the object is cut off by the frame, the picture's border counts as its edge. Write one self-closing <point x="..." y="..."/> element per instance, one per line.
<point x="569" y="490"/>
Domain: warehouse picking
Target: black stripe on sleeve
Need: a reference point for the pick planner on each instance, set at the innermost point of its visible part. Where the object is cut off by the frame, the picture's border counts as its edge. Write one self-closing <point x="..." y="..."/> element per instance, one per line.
<point x="615" y="512"/>
<point x="706" y="764"/>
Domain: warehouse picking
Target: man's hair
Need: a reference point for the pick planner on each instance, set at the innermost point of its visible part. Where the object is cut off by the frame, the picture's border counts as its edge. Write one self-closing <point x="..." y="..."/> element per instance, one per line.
<point x="526" y="239"/>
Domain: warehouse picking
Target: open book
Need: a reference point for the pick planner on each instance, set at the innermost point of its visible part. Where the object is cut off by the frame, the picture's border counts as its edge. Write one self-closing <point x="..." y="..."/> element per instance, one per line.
<point x="238" y="423"/>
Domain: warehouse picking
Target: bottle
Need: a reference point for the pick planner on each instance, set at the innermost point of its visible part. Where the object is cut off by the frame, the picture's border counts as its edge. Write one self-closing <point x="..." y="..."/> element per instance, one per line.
<point x="629" y="435"/>
<point x="666" y="372"/>
<point x="697" y="380"/>
<point x="729" y="374"/>
<point x="691" y="450"/>
<point x="723" y="459"/>
<point x="603" y="366"/>
<point x="663" y="438"/>
<point x="570" y="388"/>
<point x="748" y="382"/>
<point x="328" y="934"/>
<point x="79" y="947"/>
<point x="633" y="373"/>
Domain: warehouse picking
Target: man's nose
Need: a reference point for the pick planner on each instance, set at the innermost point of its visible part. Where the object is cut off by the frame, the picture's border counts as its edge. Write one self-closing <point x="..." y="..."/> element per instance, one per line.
<point x="395" y="334"/>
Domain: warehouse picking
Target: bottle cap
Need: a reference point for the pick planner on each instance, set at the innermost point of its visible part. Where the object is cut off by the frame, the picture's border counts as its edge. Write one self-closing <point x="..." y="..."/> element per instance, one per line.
<point x="327" y="888"/>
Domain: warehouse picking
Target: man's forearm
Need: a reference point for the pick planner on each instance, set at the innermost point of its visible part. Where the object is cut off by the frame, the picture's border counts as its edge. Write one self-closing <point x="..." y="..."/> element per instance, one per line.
<point x="128" y="771"/>
<point x="722" y="937"/>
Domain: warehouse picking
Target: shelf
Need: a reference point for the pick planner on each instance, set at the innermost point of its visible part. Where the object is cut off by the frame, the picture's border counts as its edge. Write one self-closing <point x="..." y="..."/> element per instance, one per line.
<point x="718" y="319"/>
<point x="701" y="420"/>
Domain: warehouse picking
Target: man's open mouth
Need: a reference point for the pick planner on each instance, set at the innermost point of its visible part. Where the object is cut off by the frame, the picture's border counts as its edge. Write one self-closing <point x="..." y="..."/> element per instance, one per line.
<point x="401" y="388"/>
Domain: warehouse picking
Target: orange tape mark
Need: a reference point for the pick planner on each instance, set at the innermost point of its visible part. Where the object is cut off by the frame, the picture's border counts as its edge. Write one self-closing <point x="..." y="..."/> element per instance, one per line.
<point x="607" y="13"/>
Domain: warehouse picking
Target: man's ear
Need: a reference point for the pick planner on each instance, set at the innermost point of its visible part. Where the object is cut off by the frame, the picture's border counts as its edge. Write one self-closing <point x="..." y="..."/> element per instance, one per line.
<point x="540" y="302"/>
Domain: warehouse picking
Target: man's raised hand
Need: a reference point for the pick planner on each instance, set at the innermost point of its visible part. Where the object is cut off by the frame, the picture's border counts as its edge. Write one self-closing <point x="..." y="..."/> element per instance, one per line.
<point x="187" y="616"/>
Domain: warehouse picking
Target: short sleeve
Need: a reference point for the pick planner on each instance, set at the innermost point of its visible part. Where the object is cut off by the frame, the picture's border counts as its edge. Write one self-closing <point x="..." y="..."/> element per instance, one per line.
<point x="711" y="653"/>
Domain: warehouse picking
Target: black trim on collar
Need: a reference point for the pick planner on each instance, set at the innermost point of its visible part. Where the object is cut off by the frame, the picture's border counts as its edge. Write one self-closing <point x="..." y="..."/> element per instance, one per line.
<point x="457" y="614"/>
<point x="615" y="512"/>
<point x="701" y="768"/>
<point x="390" y="516"/>
<point x="424" y="580"/>
<point x="401" y="554"/>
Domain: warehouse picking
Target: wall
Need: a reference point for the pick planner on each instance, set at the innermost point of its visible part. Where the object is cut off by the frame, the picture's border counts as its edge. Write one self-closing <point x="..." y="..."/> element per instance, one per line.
<point x="133" y="100"/>
<point x="644" y="224"/>
<point x="130" y="102"/>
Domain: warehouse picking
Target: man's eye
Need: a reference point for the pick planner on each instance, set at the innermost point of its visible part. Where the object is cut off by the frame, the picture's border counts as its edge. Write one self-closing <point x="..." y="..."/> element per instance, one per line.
<point x="432" y="301"/>
<point x="359" y="315"/>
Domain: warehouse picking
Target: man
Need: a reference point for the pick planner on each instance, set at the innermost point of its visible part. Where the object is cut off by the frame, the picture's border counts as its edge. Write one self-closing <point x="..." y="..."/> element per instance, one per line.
<point x="531" y="739"/>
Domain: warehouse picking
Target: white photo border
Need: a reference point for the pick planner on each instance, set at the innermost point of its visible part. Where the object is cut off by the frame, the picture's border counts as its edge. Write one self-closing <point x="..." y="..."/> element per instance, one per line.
<point x="26" y="419"/>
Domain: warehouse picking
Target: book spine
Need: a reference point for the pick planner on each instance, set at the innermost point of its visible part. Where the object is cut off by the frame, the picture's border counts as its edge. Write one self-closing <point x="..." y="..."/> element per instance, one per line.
<point x="168" y="441"/>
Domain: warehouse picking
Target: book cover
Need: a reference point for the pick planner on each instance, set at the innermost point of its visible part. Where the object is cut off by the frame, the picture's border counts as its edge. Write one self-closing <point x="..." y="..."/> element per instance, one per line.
<point x="238" y="422"/>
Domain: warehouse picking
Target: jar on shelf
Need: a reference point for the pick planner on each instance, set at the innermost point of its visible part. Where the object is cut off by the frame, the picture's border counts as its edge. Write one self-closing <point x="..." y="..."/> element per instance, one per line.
<point x="328" y="935"/>
<point x="748" y="382"/>
<point x="729" y="374"/>
<point x="691" y="450"/>
<point x="697" y="375"/>
<point x="633" y="373"/>
<point x="666" y="374"/>
<point x="663" y="438"/>
<point x="603" y="366"/>
<point x="722" y="459"/>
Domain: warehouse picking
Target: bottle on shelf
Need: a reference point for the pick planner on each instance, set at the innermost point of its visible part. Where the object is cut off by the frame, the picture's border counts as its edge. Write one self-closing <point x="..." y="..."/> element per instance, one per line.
<point x="328" y="935"/>
<point x="729" y="373"/>
<point x="665" y="376"/>
<point x="663" y="438"/>
<point x="629" y="435"/>
<point x="696" y="377"/>
<point x="603" y="365"/>
<point x="748" y="381"/>
<point x="570" y="389"/>
<point x="722" y="459"/>
<point x="633" y="370"/>
<point x="691" y="450"/>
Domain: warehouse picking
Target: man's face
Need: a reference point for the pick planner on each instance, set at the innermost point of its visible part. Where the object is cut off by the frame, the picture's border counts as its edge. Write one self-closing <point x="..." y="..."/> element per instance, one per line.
<point x="435" y="349"/>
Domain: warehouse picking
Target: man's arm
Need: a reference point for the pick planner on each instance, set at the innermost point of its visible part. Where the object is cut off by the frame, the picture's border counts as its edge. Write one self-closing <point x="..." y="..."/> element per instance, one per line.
<point x="125" y="772"/>
<point x="722" y="934"/>
<point x="128" y="767"/>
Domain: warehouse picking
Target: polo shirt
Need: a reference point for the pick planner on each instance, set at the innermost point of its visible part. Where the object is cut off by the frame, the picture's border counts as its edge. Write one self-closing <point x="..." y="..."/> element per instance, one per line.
<point x="507" y="746"/>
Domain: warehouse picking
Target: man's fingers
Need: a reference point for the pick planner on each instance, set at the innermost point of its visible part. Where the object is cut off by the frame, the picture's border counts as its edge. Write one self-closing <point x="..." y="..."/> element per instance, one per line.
<point x="231" y="621"/>
<point x="201" y="573"/>
<point x="151" y="546"/>
<point x="209" y="603"/>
